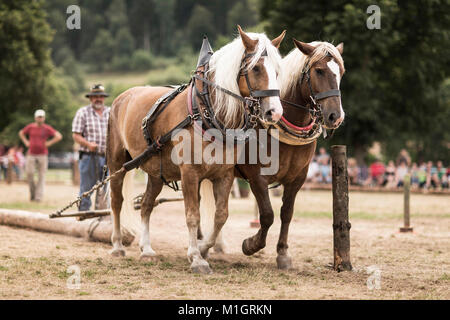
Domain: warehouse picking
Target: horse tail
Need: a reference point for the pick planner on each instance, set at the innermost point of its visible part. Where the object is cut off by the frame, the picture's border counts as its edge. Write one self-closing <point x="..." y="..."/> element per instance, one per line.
<point x="129" y="218"/>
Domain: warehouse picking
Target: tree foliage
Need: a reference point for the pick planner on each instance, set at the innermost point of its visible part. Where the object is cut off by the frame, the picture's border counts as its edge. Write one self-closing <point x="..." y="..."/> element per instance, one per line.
<point x="390" y="90"/>
<point x="27" y="79"/>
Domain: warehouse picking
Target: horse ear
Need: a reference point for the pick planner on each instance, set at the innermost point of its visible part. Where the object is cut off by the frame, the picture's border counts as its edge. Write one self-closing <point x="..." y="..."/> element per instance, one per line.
<point x="277" y="41"/>
<point x="307" y="49"/>
<point x="340" y="47"/>
<point x="249" y="44"/>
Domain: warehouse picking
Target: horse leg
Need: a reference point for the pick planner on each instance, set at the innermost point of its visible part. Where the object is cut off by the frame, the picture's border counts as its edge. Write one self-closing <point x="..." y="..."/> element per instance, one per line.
<point x="219" y="247"/>
<point x="284" y="261"/>
<point x="222" y="189"/>
<point x="260" y="189"/>
<point x="154" y="186"/>
<point x="116" y="205"/>
<point x="190" y="185"/>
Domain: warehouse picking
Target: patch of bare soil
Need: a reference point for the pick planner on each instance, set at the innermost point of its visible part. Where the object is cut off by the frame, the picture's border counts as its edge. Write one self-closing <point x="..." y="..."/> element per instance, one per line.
<point x="387" y="264"/>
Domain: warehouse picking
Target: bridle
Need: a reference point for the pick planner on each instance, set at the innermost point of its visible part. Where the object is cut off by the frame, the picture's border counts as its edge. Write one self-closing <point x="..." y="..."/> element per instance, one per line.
<point x="252" y="103"/>
<point x="314" y="108"/>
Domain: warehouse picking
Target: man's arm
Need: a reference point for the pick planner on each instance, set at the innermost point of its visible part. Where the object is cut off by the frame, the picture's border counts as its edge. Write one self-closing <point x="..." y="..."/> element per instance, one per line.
<point x="24" y="139"/>
<point x="78" y="138"/>
<point x="56" y="138"/>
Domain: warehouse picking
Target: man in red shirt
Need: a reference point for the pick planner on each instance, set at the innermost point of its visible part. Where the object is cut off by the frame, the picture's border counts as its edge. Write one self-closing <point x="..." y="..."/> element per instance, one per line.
<point x="38" y="132"/>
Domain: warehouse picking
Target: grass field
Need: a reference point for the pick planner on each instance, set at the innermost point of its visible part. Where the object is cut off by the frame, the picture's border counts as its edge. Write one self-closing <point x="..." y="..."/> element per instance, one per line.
<point x="34" y="265"/>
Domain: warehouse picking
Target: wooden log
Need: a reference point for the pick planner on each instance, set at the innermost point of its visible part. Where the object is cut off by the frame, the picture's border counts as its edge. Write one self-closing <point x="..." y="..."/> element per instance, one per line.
<point x="341" y="224"/>
<point x="92" y="230"/>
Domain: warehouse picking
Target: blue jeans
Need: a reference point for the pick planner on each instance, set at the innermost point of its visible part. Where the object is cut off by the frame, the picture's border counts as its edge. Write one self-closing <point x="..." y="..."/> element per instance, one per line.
<point x="91" y="169"/>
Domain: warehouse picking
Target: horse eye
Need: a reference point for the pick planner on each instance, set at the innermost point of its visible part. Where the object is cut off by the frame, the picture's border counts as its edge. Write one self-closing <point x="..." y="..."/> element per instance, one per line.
<point x="319" y="71"/>
<point x="256" y="69"/>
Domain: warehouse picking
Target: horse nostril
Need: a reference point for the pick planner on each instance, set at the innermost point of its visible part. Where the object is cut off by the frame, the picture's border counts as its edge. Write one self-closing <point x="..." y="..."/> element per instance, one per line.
<point x="332" y="117"/>
<point x="272" y="115"/>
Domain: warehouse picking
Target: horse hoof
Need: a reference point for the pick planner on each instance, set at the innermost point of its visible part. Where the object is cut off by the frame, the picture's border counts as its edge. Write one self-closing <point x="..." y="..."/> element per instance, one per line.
<point x="117" y="252"/>
<point x="147" y="256"/>
<point x="204" y="253"/>
<point x="246" y="249"/>
<point x="219" y="249"/>
<point x="201" y="268"/>
<point x="284" y="262"/>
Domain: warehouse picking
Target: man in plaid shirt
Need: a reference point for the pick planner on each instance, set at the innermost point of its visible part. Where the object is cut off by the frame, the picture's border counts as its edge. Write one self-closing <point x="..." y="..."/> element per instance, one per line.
<point x="89" y="129"/>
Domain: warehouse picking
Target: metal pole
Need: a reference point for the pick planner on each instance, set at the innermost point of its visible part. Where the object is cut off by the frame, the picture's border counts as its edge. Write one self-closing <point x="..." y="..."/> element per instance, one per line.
<point x="406" y="196"/>
<point x="341" y="224"/>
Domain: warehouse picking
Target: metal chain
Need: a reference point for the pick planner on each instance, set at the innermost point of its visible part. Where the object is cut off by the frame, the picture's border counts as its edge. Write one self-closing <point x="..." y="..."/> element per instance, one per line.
<point x="89" y="192"/>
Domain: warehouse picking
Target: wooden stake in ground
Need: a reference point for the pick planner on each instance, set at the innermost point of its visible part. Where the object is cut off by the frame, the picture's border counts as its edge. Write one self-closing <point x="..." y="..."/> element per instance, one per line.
<point x="341" y="224"/>
<point x="406" y="192"/>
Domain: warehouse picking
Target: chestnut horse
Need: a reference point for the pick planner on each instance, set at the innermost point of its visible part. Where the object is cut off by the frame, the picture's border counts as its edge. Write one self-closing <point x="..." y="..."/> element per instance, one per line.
<point x="309" y="81"/>
<point x="251" y="55"/>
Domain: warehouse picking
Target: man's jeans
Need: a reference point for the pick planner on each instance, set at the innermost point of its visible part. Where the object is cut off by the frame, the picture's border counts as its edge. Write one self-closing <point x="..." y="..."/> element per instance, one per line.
<point x="91" y="170"/>
<point x="41" y="162"/>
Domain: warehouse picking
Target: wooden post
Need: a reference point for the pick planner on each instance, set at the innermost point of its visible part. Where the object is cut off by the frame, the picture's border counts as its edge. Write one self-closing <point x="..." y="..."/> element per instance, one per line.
<point x="341" y="224"/>
<point x="9" y="172"/>
<point x="406" y="195"/>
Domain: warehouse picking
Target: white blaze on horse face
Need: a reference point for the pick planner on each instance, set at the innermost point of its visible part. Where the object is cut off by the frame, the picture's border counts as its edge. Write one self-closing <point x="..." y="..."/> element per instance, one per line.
<point x="274" y="102"/>
<point x="334" y="67"/>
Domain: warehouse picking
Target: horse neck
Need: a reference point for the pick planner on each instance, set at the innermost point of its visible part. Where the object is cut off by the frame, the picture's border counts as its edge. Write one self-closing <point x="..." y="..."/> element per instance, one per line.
<point x="296" y="116"/>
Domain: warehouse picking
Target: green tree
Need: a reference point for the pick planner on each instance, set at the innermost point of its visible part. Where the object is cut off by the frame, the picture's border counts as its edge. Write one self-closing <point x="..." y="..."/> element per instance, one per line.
<point x="100" y="54"/>
<point x="25" y="62"/>
<point x="201" y="22"/>
<point x="390" y="71"/>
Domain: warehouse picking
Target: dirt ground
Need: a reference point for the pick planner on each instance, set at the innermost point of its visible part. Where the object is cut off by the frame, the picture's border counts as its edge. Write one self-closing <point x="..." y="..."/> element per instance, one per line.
<point x="387" y="264"/>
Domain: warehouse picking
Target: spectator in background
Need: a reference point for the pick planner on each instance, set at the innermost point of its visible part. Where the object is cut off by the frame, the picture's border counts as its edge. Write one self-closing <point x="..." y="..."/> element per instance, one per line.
<point x="3" y="161"/>
<point x="402" y="171"/>
<point x="20" y="162"/>
<point x="313" y="172"/>
<point x="364" y="175"/>
<point x="37" y="143"/>
<point x="353" y="171"/>
<point x="430" y="171"/>
<point x="422" y="175"/>
<point x="377" y="172"/>
<point x="414" y="176"/>
<point x="89" y="130"/>
<point x="389" y="175"/>
<point x="439" y="176"/>
<point x="324" y="165"/>
<point x="403" y="156"/>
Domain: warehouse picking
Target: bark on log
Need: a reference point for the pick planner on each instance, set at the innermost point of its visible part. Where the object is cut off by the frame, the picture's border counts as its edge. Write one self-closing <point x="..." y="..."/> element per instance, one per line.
<point x="91" y="230"/>
<point x="341" y="225"/>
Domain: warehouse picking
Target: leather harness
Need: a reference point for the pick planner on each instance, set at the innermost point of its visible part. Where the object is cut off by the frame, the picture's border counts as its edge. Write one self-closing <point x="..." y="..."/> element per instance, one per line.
<point x="199" y="112"/>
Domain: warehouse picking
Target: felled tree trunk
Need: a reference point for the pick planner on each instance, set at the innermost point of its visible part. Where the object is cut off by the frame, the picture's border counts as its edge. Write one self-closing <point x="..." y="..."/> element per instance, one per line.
<point x="92" y="229"/>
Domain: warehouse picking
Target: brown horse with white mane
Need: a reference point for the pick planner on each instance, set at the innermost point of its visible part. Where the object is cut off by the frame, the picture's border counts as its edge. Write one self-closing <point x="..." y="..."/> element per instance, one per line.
<point x="311" y="101"/>
<point x="251" y="59"/>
